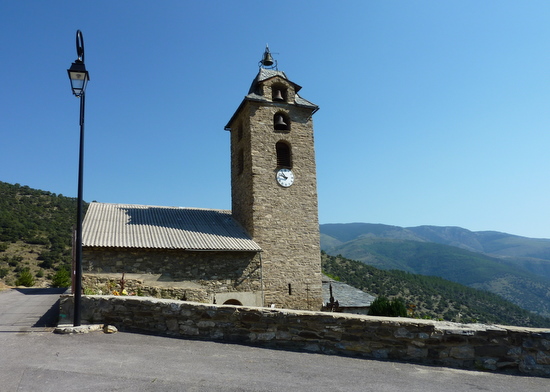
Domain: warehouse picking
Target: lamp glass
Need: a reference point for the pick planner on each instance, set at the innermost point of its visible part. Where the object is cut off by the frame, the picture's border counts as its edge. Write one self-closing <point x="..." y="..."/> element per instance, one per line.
<point x="79" y="77"/>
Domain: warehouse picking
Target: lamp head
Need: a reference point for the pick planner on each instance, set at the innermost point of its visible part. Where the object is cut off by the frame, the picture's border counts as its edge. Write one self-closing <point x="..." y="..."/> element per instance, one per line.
<point x="79" y="77"/>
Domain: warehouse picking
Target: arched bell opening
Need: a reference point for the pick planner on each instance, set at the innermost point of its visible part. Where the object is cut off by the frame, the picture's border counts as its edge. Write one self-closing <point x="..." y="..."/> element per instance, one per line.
<point x="278" y="93"/>
<point x="281" y="122"/>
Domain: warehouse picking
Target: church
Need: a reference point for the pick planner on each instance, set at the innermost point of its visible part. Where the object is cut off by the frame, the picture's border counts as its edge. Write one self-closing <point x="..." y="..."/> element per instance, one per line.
<point x="264" y="252"/>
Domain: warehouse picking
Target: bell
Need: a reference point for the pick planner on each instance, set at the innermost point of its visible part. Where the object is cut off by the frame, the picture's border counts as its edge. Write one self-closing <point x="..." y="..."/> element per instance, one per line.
<point x="267" y="60"/>
<point x="278" y="96"/>
<point x="280" y="124"/>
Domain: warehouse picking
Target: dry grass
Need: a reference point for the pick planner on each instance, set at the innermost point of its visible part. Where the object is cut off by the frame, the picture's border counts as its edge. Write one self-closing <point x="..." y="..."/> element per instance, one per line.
<point x="29" y="259"/>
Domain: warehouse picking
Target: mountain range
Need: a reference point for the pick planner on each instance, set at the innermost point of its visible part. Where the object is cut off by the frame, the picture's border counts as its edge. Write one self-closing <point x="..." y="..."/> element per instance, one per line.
<point x="516" y="268"/>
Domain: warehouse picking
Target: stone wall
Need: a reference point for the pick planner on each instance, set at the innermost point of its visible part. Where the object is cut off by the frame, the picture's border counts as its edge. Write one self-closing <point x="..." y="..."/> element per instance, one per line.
<point x="148" y="285"/>
<point x="468" y="346"/>
<point x="107" y="284"/>
<point x="178" y="274"/>
<point x="241" y="267"/>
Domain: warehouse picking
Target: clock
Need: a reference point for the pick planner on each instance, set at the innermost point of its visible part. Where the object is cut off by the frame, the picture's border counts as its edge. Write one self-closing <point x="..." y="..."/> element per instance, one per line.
<point x="285" y="177"/>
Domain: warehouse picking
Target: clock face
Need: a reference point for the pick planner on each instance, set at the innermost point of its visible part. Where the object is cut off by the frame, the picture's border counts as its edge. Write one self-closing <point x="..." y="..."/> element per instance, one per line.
<point x="285" y="177"/>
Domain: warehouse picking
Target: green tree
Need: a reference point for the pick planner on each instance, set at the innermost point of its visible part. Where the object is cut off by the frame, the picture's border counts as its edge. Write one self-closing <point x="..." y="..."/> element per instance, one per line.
<point x="398" y="308"/>
<point x="384" y="307"/>
<point x="61" y="278"/>
<point x="25" y="279"/>
<point x="379" y="306"/>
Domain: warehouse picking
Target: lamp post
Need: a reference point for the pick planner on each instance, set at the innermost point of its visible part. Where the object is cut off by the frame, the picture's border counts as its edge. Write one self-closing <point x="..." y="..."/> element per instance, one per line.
<point x="79" y="79"/>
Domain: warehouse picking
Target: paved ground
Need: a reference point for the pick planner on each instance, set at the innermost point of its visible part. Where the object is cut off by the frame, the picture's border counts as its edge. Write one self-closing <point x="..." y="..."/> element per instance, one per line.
<point x="25" y="308"/>
<point x="32" y="358"/>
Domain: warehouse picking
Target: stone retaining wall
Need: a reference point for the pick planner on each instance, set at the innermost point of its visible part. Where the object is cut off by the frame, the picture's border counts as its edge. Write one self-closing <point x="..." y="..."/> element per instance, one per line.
<point x="468" y="346"/>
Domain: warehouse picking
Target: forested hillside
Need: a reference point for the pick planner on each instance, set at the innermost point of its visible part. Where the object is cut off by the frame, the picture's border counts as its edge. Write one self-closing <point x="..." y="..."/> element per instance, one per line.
<point x="35" y="234"/>
<point x="520" y="280"/>
<point x="429" y="296"/>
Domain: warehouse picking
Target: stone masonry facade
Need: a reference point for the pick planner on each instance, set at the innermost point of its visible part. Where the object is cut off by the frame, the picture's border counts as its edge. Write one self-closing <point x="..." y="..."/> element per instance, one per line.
<point x="199" y="275"/>
<point x="283" y="221"/>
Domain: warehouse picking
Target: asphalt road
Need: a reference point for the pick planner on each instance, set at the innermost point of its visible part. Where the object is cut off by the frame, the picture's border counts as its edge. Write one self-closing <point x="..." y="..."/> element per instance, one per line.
<point x="32" y="358"/>
<point x="23" y="309"/>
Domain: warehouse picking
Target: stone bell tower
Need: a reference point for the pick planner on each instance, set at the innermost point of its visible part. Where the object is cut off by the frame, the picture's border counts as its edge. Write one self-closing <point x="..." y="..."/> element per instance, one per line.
<point x="274" y="186"/>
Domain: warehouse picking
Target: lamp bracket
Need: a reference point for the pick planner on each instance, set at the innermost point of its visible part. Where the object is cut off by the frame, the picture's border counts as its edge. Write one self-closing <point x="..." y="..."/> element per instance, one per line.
<point x="79" y="45"/>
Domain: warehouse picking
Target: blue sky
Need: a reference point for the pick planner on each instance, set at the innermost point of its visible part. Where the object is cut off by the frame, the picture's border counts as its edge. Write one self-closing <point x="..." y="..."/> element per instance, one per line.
<point x="431" y="112"/>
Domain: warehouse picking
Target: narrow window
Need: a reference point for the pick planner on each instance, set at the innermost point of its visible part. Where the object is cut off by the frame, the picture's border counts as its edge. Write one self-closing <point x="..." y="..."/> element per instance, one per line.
<point x="240" y="162"/>
<point x="239" y="133"/>
<point x="289" y="289"/>
<point x="284" y="156"/>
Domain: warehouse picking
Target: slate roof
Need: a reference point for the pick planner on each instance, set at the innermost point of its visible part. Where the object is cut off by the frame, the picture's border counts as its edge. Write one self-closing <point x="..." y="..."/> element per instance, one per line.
<point x="140" y="226"/>
<point x="346" y="295"/>
<point x="265" y="74"/>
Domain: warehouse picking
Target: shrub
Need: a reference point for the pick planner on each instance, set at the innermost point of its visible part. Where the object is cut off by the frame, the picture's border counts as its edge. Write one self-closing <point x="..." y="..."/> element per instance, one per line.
<point x="379" y="306"/>
<point x="45" y="264"/>
<point x="25" y="279"/>
<point x="13" y="262"/>
<point x="89" y="291"/>
<point x="61" y="278"/>
<point x="384" y="307"/>
<point x="49" y="258"/>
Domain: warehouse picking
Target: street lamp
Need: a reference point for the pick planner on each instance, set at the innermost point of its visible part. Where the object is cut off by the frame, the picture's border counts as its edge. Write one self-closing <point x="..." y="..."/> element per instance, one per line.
<point x="79" y="79"/>
<point x="77" y="73"/>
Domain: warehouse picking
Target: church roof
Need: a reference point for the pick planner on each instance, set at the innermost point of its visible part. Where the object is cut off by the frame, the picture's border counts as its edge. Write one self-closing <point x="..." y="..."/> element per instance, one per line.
<point x="263" y="75"/>
<point x="266" y="74"/>
<point x="140" y="226"/>
<point x="346" y="295"/>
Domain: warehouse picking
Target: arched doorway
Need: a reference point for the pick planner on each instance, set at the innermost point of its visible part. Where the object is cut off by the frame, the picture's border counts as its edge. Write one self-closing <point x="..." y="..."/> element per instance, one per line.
<point x="233" y="302"/>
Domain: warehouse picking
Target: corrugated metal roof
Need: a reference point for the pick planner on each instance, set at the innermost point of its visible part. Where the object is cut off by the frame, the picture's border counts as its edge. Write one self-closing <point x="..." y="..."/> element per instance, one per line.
<point x="139" y="226"/>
